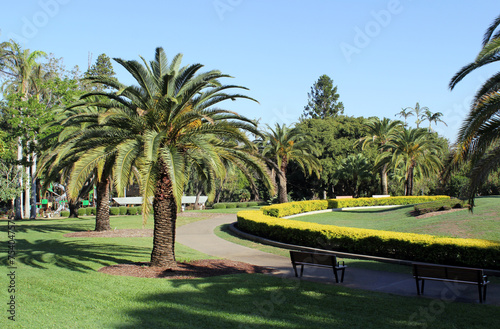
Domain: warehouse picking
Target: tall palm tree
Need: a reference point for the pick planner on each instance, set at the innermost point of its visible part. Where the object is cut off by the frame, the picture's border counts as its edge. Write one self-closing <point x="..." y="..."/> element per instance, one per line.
<point x="282" y="145"/>
<point x="414" y="149"/>
<point x="433" y="117"/>
<point x="354" y="170"/>
<point x="405" y="113"/>
<point x="379" y="133"/>
<point x="169" y="118"/>
<point x="419" y="113"/>
<point x="477" y="140"/>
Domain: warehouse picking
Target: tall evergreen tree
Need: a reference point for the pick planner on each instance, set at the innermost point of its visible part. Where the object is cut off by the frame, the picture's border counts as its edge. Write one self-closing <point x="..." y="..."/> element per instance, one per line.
<point x="323" y="100"/>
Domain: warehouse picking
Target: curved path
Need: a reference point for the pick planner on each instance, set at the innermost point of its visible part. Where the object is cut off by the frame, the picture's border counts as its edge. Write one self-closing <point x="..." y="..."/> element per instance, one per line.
<point x="200" y="236"/>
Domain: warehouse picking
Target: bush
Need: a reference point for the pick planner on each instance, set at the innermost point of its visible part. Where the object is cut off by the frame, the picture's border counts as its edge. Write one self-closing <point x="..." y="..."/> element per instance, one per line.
<point x="91" y="211"/>
<point x="219" y="206"/>
<point x="131" y="211"/>
<point x="64" y="213"/>
<point x="123" y="210"/>
<point x="424" y="208"/>
<point x="139" y="210"/>
<point x="231" y="205"/>
<point x="115" y="211"/>
<point x="82" y="211"/>
<point x="241" y="205"/>
<point x="252" y="204"/>
<point x="407" y="246"/>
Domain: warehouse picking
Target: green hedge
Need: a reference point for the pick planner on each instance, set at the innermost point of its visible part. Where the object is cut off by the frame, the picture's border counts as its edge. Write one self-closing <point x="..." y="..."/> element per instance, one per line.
<point x="64" y="213"/>
<point x="252" y="204"/>
<point x="231" y="205"/>
<point x="241" y="205"/>
<point x="132" y="211"/>
<point x="123" y="210"/>
<point x="115" y="211"/>
<point x="82" y="211"/>
<point x="91" y="211"/>
<point x="453" y="203"/>
<point x="406" y="246"/>
<point x="292" y="208"/>
<point x="219" y="206"/>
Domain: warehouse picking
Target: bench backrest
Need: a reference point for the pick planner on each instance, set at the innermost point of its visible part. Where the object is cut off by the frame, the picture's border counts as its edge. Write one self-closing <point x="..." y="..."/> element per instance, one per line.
<point x="448" y="272"/>
<point x="313" y="258"/>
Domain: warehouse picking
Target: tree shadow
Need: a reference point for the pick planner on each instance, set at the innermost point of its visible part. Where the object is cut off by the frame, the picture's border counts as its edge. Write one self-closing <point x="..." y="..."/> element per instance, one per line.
<point x="75" y="255"/>
<point x="252" y="301"/>
<point x="49" y="228"/>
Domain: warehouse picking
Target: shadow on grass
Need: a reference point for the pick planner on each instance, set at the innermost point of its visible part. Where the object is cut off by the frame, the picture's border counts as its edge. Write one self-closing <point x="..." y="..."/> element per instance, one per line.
<point x="50" y="228"/>
<point x="252" y="301"/>
<point x="75" y="255"/>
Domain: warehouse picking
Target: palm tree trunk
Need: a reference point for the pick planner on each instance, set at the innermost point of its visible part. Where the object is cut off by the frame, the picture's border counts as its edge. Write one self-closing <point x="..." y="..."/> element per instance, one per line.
<point x="198" y="194"/>
<point x="409" y="184"/>
<point x="102" y="206"/>
<point x="73" y="209"/>
<point x="165" y="215"/>
<point x="282" y="192"/>
<point x="383" y="180"/>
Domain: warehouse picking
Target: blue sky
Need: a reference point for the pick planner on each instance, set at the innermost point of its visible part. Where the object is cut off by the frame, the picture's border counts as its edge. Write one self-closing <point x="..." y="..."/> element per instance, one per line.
<point x="383" y="55"/>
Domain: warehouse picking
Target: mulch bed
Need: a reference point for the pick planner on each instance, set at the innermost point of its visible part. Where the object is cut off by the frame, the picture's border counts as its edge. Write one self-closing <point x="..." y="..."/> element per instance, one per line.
<point x="192" y="270"/>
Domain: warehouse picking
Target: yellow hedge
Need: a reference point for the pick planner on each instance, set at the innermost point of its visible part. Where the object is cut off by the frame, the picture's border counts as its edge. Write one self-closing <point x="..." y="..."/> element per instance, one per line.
<point x="407" y="246"/>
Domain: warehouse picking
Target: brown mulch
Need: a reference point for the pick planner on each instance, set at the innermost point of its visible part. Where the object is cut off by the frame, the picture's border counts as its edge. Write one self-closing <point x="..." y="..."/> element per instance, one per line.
<point x="192" y="270"/>
<point x="430" y="214"/>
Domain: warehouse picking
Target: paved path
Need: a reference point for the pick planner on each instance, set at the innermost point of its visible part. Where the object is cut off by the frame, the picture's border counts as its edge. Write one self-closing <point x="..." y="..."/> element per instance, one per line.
<point x="200" y="236"/>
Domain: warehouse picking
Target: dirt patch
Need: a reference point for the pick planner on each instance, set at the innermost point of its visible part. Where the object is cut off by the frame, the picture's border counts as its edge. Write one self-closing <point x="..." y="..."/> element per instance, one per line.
<point x="430" y="214"/>
<point x="195" y="269"/>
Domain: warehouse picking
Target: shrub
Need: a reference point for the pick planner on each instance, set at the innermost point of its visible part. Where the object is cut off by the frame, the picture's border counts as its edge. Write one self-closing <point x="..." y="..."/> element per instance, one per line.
<point x="82" y="211"/>
<point x="131" y="211"/>
<point x="123" y="210"/>
<point x="91" y="211"/>
<point x="241" y="205"/>
<point x="64" y="213"/>
<point x="407" y="246"/>
<point x="231" y="205"/>
<point x="219" y="206"/>
<point x="453" y="203"/>
<point x="115" y="211"/>
<point x="252" y="204"/>
<point x="139" y="210"/>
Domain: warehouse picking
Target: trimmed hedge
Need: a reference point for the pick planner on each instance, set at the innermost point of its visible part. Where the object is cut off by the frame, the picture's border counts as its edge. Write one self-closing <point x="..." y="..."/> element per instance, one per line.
<point x="131" y="211"/>
<point x="439" y="205"/>
<point x="231" y="205"/>
<point x="64" y="213"/>
<point x="407" y="246"/>
<point x="123" y="210"/>
<point x="115" y="211"/>
<point x="292" y="208"/>
<point x="241" y="205"/>
<point x="82" y="211"/>
<point x="219" y="206"/>
<point x="91" y="211"/>
<point x="252" y="204"/>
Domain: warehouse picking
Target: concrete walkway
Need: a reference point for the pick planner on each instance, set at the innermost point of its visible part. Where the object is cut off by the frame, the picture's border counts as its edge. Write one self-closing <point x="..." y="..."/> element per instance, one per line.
<point x="200" y="236"/>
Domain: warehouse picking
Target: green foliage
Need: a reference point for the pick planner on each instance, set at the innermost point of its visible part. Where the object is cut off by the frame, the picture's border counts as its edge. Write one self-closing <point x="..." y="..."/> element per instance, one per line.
<point x="230" y="204"/>
<point x="131" y="211"/>
<point x="219" y="206"/>
<point x="241" y="205"/>
<point x="82" y="211"/>
<point x="9" y="180"/>
<point x="252" y="204"/>
<point x="407" y="246"/>
<point x="115" y="211"/>
<point x="439" y="205"/>
<point x="91" y="211"/>
<point x="64" y="213"/>
<point x="323" y="100"/>
<point x="123" y="210"/>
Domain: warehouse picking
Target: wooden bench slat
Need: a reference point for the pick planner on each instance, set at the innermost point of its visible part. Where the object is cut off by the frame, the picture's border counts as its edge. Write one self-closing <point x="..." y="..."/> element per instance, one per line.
<point x="316" y="259"/>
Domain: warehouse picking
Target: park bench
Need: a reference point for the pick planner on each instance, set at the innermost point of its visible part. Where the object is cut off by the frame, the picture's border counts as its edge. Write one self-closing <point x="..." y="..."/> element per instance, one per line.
<point x="316" y="259"/>
<point x="422" y="272"/>
<point x="343" y="197"/>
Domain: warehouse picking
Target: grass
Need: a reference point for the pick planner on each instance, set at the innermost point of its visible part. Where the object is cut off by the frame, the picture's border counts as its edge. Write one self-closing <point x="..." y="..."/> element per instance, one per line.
<point x="224" y="211"/>
<point x="58" y="286"/>
<point x="483" y="223"/>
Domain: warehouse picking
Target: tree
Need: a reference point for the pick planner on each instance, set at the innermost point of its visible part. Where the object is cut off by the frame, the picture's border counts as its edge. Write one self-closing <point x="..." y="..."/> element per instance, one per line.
<point x="419" y="113"/>
<point x="415" y="150"/>
<point x="323" y="100"/>
<point x="379" y="133"/>
<point x="282" y="145"/>
<point x="159" y="125"/>
<point x="354" y="170"/>
<point x="405" y="113"/>
<point x="477" y="140"/>
<point x="433" y="117"/>
<point x="101" y="68"/>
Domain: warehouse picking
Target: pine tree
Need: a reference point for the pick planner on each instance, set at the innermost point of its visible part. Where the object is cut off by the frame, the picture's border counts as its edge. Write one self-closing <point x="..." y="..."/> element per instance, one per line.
<point x="323" y="100"/>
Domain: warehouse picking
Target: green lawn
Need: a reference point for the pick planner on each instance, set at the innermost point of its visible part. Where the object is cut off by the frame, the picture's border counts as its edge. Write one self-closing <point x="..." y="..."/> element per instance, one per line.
<point x="483" y="223"/>
<point x="58" y="286"/>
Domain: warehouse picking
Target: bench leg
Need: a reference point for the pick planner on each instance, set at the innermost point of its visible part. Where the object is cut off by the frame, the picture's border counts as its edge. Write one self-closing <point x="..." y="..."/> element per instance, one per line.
<point x="301" y="270"/>
<point x="480" y="293"/>
<point x="336" y="276"/>
<point x="418" y="286"/>
<point x="484" y="292"/>
<point x="342" y="279"/>
<point x="295" y="269"/>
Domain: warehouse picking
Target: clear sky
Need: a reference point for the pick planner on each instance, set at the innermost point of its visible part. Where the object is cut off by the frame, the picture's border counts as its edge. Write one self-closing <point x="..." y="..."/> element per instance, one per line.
<point x="383" y="55"/>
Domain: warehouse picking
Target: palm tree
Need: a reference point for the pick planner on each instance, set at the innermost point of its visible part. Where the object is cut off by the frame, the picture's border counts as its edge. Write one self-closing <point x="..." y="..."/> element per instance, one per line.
<point x="414" y="149"/>
<point x="477" y="140"/>
<point x="354" y="170"/>
<point x="405" y="114"/>
<point x="282" y="145"/>
<point x="379" y="133"/>
<point x="433" y="117"/>
<point x="169" y="118"/>
<point x="419" y="113"/>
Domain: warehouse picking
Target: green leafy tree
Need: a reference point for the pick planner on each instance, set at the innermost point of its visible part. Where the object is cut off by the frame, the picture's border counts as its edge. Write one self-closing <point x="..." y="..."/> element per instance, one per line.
<point x="415" y="151"/>
<point x="433" y="117"/>
<point x="477" y="141"/>
<point x="282" y="145"/>
<point x="323" y="100"/>
<point x="353" y="171"/>
<point x="405" y="113"/>
<point x="379" y="133"/>
<point x="170" y="117"/>
<point x="101" y="68"/>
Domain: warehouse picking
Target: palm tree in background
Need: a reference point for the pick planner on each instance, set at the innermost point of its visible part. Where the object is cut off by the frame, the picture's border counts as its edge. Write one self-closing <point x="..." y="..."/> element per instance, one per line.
<point x="433" y="117"/>
<point x="282" y="145"/>
<point x="413" y="149"/>
<point x="477" y="140"/>
<point x="419" y="113"/>
<point x="379" y="133"/>
<point x="405" y="113"/>
<point x="165" y="121"/>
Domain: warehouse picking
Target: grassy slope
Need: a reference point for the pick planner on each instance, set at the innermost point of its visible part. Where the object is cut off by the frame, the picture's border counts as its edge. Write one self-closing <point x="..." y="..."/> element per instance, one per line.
<point x="58" y="287"/>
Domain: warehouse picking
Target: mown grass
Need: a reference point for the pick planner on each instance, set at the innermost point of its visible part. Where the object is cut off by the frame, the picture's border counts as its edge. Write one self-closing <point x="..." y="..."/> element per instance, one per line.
<point x="58" y="286"/>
